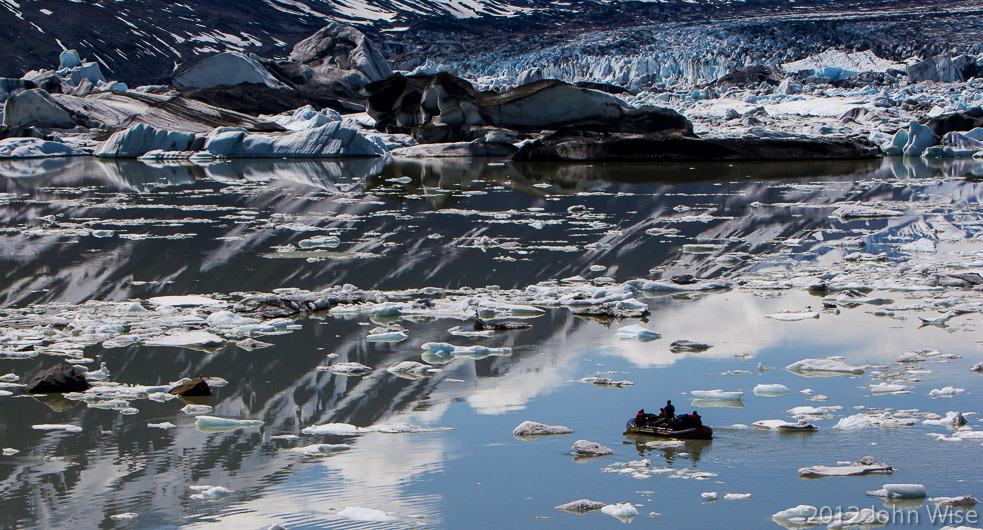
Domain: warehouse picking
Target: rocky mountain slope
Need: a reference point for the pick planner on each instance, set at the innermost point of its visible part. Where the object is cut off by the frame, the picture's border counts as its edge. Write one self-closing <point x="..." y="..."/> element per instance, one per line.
<point x="142" y="41"/>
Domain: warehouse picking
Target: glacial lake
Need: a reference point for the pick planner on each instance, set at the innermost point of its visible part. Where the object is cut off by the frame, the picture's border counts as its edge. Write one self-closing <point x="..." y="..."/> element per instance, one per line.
<point x="83" y="239"/>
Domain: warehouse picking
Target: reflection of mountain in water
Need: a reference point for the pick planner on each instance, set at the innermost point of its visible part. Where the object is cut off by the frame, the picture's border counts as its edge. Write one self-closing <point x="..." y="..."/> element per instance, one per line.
<point x="208" y="228"/>
<point x="246" y="210"/>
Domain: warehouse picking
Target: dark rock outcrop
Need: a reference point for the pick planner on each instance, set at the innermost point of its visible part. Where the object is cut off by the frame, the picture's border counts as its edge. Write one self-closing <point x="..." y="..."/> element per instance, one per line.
<point x="578" y="146"/>
<point x="958" y="121"/>
<point x="255" y="99"/>
<point x="754" y="74"/>
<point x="60" y="378"/>
<point x="444" y="108"/>
<point x="192" y="388"/>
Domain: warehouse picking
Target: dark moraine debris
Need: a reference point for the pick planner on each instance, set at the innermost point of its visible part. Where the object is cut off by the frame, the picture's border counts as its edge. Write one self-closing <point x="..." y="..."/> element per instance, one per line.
<point x="568" y="145"/>
<point x="60" y="378"/>
<point x="505" y="325"/>
<point x="255" y="99"/>
<point x="748" y="75"/>
<point x="276" y="306"/>
<point x="688" y="346"/>
<point x="608" y="311"/>
<point x="192" y="388"/>
<point x="580" y="506"/>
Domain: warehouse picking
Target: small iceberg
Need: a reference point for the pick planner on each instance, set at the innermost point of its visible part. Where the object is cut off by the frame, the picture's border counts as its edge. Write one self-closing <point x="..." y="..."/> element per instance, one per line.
<point x="622" y="510"/>
<point x="798" y="515"/>
<point x="184" y="301"/>
<point x="187" y="339"/>
<point x="532" y="428"/>
<point x="216" y="424"/>
<point x="637" y="332"/>
<point x="852" y="423"/>
<point x="412" y="370"/>
<point x="584" y="447"/>
<point x="947" y="391"/>
<point x="347" y="368"/>
<point x="314" y="450"/>
<point x="866" y="466"/>
<point x="333" y="428"/>
<point x="367" y="515"/>
<point x="56" y="427"/>
<point x="900" y="491"/>
<point x="793" y="316"/>
<point x="770" y="390"/>
<point x="800" y="425"/>
<point x="823" y="368"/>
<point x="737" y="496"/>
<point x="210" y="493"/>
<point x="717" y="395"/>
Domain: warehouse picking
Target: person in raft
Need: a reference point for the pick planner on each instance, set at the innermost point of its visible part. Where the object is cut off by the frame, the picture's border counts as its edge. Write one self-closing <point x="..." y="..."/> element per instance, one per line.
<point x="669" y="410"/>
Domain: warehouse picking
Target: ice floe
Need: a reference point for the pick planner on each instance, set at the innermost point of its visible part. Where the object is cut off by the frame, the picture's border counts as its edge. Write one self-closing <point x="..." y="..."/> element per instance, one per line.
<point x="823" y="368"/>
<point x="210" y="493"/>
<point x="532" y="428"/>
<point x="792" y="316"/>
<point x="217" y="424"/>
<point x="343" y="429"/>
<point x="585" y="447"/>
<point x="899" y="491"/>
<point x="188" y="339"/>
<point x="717" y="395"/>
<point x="637" y="332"/>
<point x="962" y="500"/>
<point x="800" y="425"/>
<point x="708" y="496"/>
<point x="56" y="427"/>
<point x="9" y="451"/>
<point x="770" y="390"/>
<point x="952" y="418"/>
<point x="347" y="368"/>
<point x="946" y="391"/>
<point x="736" y="496"/>
<point x="412" y="370"/>
<point x="321" y="449"/>
<point x="368" y="515"/>
<point x="163" y="425"/>
<point x="866" y="466"/>
<point x="624" y="511"/>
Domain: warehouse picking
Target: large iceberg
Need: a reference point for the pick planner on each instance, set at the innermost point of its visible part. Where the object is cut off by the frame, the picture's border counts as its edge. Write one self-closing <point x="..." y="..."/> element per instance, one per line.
<point x="331" y="140"/>
<point x="837" y="64"/>
<point x="34" y="148"/>
<point x="227" y="68"/>
<point x="141" y="139"/>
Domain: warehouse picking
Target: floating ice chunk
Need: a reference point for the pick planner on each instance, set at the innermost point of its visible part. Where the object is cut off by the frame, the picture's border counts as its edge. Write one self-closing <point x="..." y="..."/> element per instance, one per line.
<point x="490" y="309"/>
<point x="799" y="514"/>
<point x="187" y="339"/>
<point x="701" y="248"/>
<point x="386" y="336"/>
<point x="584" y="447"/>
<point x="736" y="496"/>
<point x="688" y="346"/>
<point x="412" y="370"/>
<point x="637" y="332"/>
<point x="5" y="393"/>
<point x="605" y="381"/>
<point x="800" y="425"/>
<point x="910" y="357"/>
<point x="806" y="410"/>
<point x="823" y="368"/>
<point x="860" y="212"/>
<point x="228" y="319"/>
<point x="401" y="428"/>
<point x="474" y="352"/>
<point x="348" y="368"/>
<point x="162" y="425"/>
<point x="920" y="245"/>
<point x="947" y="391"/>
<point x="866" y="466"/>
<point x="774" y="389"/>
<point x="56" y="427"/>
<point x="977" y="368"/>
<point x="9" y="451"/>
<point x="210" y="493"/>
<point x="665" y="444"/>
<point x="160" y="397"/>
<point x="709" y="496"/>
<point x="184" y="301"/>
<point x="216" y="424"/>
<point x="888" y="388"/>
<point x="12" y="377"/>
<point x="792" y="316"/>
<point x="900" y="491"/>
<point x="854" y="422"/>
<point x="128" y="516"/>
<point x="622" y="510"/>
<point x="321" y="449"/>
<point x="356" y="513"/>
<point x="962" y="500"/>
<point x="952" y="418"/>
<point x="717" y="395"/>
<point x="580" y="506"/>
<point x="194" y="410"/>
<point x="320" y="242"/>
<point x="668" y="286"/>
<point x="252" y="344"/>
<point x="532" y="428"/>
<point x="343" y="429"/>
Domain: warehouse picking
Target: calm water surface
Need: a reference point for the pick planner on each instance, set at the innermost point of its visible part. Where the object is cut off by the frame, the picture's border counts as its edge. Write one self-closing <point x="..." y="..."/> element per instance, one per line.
<point x="74" y="231"/>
